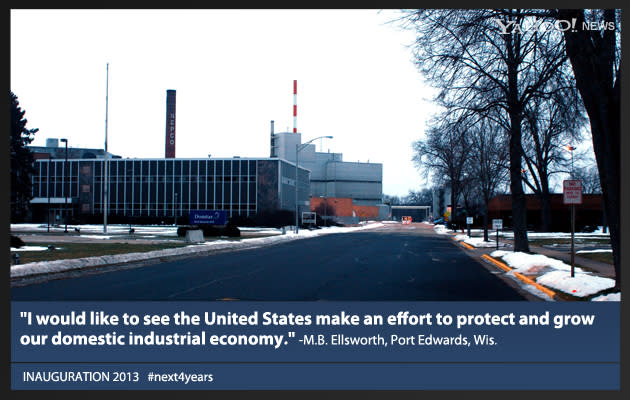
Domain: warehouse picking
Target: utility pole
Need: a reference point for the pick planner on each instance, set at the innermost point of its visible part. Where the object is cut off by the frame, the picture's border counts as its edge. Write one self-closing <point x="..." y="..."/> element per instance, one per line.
<point x="106" y="181"/>
<point x="65" y="186"/>
<point x="48" y="190"/>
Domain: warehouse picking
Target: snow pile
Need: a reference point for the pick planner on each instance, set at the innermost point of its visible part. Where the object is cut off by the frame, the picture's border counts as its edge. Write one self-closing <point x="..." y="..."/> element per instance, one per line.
<point x="598" y="234"/>
<point x="608" y="297"/>
<point x="29" y="248"/>
<point x="530" y="263"/>
<point x="479" y="242"/>
<point x="441" y="229"/>
<point x="217" y="245"/>
<point x="556" y="274"/>
<point x="581" y="285"/>
<point x="594" y="251"/>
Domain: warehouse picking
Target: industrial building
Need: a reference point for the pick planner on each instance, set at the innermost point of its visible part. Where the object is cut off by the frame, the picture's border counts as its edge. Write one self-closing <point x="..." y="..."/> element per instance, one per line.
<point x="163" y="189"/>
<point x="159" y="190"/>
<point x="346" y="191"/>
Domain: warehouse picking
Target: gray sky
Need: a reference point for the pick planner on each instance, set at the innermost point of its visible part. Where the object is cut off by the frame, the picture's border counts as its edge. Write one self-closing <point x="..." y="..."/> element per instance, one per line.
<point x="233" y="71"/>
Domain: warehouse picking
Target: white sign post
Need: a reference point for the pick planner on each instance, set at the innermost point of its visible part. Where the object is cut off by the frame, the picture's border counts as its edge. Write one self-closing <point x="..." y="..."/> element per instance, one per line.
<point x="469" y="221"/>
<point x="497" y="224"/>
<point x="572" y="194"/>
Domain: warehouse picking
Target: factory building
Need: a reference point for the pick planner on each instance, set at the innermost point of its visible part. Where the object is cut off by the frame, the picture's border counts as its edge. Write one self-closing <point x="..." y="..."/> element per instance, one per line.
<point x="70" y="181"/>
<point x="347" y="191"/>
<point x="161" y="190"/>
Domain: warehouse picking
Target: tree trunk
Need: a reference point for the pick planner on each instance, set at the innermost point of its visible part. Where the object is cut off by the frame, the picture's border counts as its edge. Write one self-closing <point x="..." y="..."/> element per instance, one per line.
<point x="592" y="60"/>
<point x="545" y="203"/>
<point x="519" y="201"/>
<point x="485" y="221"/>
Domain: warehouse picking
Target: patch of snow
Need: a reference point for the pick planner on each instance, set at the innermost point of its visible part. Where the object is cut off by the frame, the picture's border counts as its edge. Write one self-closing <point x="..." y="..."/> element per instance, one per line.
<point x="69" y="264"/>
<point x="29" y="248"/>
<point x="580" y="285"/>
<point x="523" y="262"/>
<point x="479" y="242"/>
<point x="560" y="235"/>
<point x="608" y="297"/>
<point x="594" y="251"/>
<point x="441" y="230"/>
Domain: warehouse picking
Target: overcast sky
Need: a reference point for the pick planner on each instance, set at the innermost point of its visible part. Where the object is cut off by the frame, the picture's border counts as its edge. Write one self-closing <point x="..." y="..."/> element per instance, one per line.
<point x="233" y="71"/>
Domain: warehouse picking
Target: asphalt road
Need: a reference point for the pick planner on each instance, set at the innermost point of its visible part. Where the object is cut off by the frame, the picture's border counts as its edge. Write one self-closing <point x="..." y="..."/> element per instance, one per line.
<point x="396" y="262"/>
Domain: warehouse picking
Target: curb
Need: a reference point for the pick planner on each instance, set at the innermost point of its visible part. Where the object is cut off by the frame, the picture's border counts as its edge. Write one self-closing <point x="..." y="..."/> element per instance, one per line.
<point x="466" y="245"/>
<point x="520" y="276"/>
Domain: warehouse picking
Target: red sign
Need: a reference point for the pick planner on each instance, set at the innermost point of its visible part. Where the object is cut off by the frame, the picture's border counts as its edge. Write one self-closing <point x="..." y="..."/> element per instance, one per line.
<point x="572" y="191"/>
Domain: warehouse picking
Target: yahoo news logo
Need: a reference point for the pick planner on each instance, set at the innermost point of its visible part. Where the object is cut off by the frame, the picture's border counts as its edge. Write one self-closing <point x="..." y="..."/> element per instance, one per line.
<point x="561" y="25"/>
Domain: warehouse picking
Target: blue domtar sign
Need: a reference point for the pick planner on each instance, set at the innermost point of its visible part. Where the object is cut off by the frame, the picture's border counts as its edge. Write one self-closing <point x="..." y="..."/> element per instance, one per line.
<point x="208" y="217"/>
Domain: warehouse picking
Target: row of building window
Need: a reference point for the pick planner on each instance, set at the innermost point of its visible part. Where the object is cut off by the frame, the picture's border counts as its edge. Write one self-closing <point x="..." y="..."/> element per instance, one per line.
<point x="141" y="192"/>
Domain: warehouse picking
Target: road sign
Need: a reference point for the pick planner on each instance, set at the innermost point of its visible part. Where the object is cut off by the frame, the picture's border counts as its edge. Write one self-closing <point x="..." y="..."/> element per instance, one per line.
<point x="572" y="191"/>
<point x="309" y="217"/>
<point x="469" y="220"/>
<point x="208" y="217"/>
<point x="497" y="224"/>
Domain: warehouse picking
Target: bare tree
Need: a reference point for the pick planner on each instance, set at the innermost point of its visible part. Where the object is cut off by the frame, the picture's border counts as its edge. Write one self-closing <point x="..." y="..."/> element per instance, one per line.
<point x="595" y="55"/>
<point x="479" y="65"/>
<point x="489" y="162"/>
<point x="550" y="123"/>
<point x="589" y="176"/>
<point x="443" y="155"/>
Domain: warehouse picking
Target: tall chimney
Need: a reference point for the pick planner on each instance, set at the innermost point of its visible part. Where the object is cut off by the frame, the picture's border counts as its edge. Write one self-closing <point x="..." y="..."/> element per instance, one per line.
<point x="294" y="106"/>
<point x="169" y="151"/>
<point x="272" y="143"/>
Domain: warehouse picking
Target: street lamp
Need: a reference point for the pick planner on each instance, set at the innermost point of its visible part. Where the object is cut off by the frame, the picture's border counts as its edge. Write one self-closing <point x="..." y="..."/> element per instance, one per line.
<point x="570" y="148"/>
<point x="65" y="191"/>
<point x="48" y="190"/>
<point x="298" y="148"/>
<point x="175" y="207"/>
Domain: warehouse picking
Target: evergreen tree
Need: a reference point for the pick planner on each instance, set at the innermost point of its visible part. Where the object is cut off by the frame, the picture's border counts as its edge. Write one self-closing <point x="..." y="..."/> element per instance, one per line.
<point x="22" y="160"/>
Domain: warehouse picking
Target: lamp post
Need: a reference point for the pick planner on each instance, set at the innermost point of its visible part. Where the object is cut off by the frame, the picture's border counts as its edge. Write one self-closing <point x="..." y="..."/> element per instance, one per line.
<point x="65" y="192"/>
<point x="298" y="148"/>
<point x="106" y="166"/>
<point x="48" y="190"/>
<point x="175" y="207"/>
<point x="571" y="148"/>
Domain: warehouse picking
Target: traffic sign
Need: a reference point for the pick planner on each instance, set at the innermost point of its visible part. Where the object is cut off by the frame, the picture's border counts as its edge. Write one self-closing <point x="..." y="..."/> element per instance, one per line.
<point x="469" y="220"/>
<point x="572" y="191"/>
<point x="497" y="224"/>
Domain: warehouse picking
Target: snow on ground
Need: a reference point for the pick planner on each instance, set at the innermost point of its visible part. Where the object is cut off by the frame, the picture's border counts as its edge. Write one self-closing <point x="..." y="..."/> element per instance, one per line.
<point x="599" y="234"/>
<point x="65" y="265"/>
<point x="30" y="248"/>
<point x="530" y="263"/>
<point x="608" y="297"/>
<point x="581" y="285"/>
<point x="479" y="242"/>
<point x="594" y="251"/>
<point x="441" y="229"/>
<point x="556" y="274"/>
<point x="162" y="230"/>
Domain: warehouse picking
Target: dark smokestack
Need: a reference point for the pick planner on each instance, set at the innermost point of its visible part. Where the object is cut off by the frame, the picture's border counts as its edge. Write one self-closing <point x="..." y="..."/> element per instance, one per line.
<point x="170" y="124"/>
<point x="272" y="142"/>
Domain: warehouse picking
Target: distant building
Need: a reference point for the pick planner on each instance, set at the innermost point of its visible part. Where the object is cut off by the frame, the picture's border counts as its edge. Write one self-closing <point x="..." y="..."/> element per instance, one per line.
<point x="336" y="181"/>
<point x="587" y="214"/>
<point x="55" y="151"/>
<point x="160" y="190"/>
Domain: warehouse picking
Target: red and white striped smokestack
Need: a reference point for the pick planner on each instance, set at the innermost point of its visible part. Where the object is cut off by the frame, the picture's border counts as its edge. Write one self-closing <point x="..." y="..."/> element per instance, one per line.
<point x="294" y="106"/>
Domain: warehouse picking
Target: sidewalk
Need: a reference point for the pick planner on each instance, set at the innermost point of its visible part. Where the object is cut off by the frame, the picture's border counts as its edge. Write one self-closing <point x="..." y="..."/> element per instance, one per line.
<point x="591" y="277"/>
